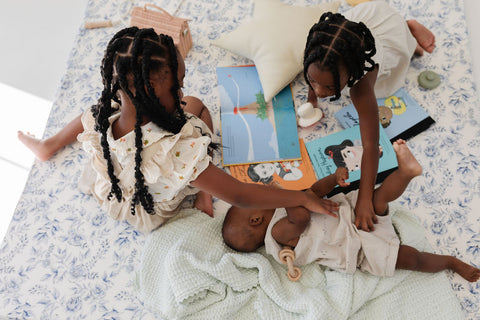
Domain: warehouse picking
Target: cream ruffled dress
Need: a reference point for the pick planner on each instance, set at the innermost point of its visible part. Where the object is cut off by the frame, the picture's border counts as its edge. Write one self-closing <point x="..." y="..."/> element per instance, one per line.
<point x="169" y="163"/>
<point x="393" y="40"/>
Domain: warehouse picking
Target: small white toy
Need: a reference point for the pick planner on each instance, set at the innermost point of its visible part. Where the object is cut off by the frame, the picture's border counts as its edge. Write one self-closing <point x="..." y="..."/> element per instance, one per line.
<point x="308" y="115"/>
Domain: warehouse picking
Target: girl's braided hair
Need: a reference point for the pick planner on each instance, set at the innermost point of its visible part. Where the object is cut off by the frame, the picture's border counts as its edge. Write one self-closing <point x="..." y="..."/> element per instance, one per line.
<point x="137" y="52"/>
<point x="334" y="40"/>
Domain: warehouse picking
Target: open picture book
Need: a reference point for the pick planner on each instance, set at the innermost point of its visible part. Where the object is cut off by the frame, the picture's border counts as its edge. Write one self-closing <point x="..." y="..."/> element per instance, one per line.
<point x="400" y="115"/>
<point x="250" y="125"/>
<point x="292" y="175"/>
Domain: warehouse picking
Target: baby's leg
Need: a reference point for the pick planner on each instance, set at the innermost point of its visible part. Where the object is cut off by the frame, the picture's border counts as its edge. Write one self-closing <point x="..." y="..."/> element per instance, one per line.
<point x="410" y="258"/>
<point x="44" y="149"/>
<point x="396" y="183"/>
<point x="425" y="38"/>
<point x="203" y="200"/>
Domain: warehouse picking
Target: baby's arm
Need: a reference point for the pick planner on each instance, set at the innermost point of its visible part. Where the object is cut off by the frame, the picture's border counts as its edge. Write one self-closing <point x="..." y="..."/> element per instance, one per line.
<point x="323" y="186"/>
<point x="288" y="230"/>
<point x="216" y="182"/>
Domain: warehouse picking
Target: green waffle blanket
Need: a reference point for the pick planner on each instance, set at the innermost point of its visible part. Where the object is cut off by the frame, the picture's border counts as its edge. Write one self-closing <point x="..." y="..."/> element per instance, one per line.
<point x="187" y="272"/>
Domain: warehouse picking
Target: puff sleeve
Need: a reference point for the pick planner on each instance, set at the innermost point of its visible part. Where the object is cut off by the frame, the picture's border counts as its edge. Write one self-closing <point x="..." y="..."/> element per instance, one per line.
<point x="169" y="163"/>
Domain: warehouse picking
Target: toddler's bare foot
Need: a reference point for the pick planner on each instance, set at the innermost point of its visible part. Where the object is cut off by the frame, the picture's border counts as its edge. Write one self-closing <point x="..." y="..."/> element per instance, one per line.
<point x="406" y="161"/>
<point x="468" y="272"/>
<point x="425" y="38"/>
<point x="37" y="146"/>
<point x="418" y="50"/>
<point x="203" y="202"/>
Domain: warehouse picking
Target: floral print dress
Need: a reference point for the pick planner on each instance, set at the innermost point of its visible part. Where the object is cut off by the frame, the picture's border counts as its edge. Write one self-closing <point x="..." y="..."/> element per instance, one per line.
<point x="169" y="163"/>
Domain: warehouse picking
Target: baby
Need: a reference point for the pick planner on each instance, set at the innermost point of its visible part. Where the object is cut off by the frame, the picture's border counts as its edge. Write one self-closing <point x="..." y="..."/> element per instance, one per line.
<point x="335" y="241"/>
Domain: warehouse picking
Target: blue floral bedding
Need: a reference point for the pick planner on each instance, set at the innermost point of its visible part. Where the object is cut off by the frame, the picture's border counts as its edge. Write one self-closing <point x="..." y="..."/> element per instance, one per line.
<point x="64" y="258"/>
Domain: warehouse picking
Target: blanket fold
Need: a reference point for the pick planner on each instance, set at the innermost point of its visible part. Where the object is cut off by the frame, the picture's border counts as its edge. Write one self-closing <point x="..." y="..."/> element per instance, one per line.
<point x="187" y="272"/>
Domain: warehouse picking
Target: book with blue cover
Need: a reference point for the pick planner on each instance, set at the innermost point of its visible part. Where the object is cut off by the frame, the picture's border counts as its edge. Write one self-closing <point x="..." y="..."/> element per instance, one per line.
<point x="400" y="115"/>
<point x="344" y="149"/>
<point x="255" y="130"/>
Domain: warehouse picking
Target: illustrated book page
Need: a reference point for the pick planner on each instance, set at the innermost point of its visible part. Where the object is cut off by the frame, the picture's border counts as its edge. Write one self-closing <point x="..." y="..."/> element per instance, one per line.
<point x="293" y="174"/>
<point x="344" y="149"/>
<point x="400" y="115"/>
<point x="255" y="130"/>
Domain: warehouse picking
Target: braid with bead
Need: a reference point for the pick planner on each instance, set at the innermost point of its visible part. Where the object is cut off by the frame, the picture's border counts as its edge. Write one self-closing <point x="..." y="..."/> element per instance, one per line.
<point x="334" y="40"/>
<point x="137" y="52"/>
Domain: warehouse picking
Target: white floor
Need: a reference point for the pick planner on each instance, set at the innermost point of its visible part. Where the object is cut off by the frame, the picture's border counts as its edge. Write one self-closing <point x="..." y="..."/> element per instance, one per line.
<point x="36" y="38"/>
<point x="472" y="9"/>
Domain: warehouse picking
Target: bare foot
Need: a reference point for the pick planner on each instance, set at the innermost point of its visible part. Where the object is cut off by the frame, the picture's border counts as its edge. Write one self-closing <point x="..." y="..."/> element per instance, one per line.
<point x="406" y="161"/>
<point x="203" y="202"/>
<point x="37" y="146"/>
<point x="468" y="272"/>
<point x="425" y="38"/>
<point x="418" y="50"/>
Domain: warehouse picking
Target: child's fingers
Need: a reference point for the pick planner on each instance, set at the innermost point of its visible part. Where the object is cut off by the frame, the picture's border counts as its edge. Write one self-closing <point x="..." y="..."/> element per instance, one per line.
<point x="343" y="183"/>
<point x="331" y="214"/>
<point x="332" y="205"/>
<point x="342" y="176"/>
<point x="320" y="205"/>
<point x="364" y="224"/>
<point x="328" y="207"/>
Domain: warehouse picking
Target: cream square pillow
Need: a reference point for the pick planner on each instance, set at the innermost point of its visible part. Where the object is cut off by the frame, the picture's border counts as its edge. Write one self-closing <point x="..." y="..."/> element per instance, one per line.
<point x="274" y="38"/>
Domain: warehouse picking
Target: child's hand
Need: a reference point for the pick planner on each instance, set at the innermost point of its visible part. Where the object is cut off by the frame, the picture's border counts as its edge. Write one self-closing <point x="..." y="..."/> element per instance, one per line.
<point x="341" y="175"/>
<point x="365" y="217"/>
<point x="318" y="205"/>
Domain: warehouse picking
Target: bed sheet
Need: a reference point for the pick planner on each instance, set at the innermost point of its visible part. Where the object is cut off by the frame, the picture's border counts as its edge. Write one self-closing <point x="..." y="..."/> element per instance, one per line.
<point x="64" y="258"/>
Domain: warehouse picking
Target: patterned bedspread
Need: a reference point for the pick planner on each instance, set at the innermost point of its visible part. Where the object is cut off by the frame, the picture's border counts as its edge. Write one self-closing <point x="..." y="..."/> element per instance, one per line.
<point x="64" y="258"/>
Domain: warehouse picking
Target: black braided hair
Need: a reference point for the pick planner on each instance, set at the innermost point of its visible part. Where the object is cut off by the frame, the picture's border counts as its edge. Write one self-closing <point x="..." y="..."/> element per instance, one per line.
<point x="334" y="152"/>
<point x="137" y="52"/>
<point x="334" y="40"/>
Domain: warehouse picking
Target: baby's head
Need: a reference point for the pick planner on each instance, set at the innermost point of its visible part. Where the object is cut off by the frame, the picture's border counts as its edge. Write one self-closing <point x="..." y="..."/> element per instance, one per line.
<point x="244" y="229"/>
<point x="337" y="54"/>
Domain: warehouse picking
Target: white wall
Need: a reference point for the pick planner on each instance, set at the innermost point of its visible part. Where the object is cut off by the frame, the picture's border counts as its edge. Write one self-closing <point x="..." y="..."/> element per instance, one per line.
<point x="36" y="37"/>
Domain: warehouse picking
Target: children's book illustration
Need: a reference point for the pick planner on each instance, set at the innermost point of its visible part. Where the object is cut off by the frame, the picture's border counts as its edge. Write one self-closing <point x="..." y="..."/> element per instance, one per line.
<point x="344" y="149"/>
<point x="348" y="154"/>
<point x="293" y="175"/>
<point x="250" y="125"/>
<point x="400" y="115"/>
